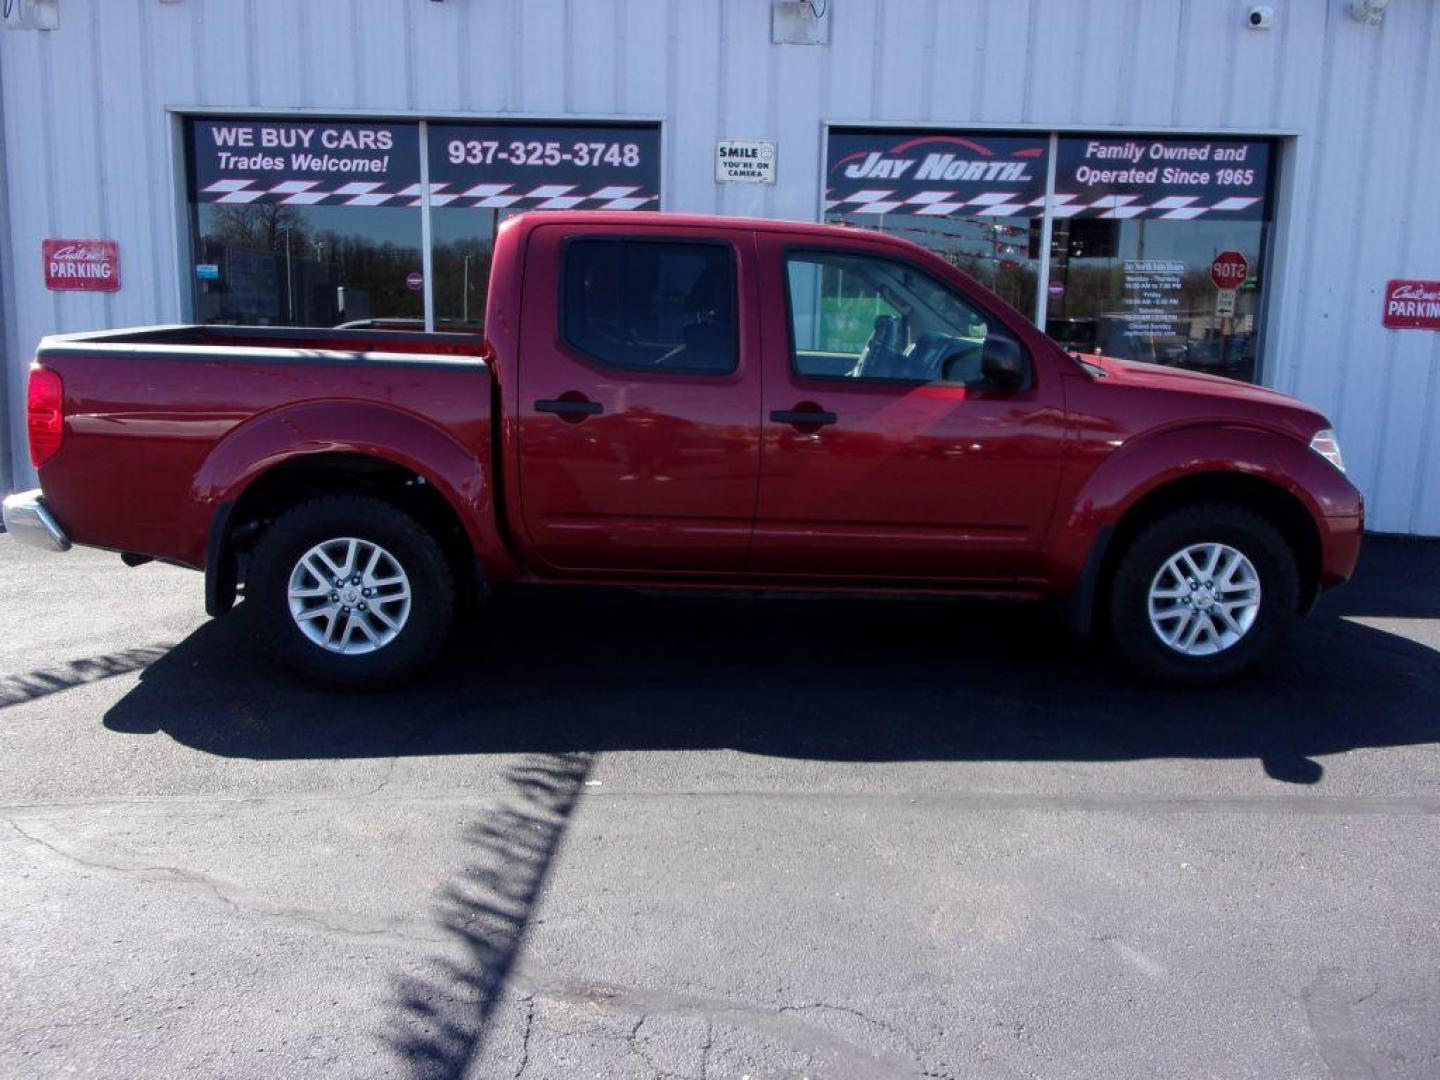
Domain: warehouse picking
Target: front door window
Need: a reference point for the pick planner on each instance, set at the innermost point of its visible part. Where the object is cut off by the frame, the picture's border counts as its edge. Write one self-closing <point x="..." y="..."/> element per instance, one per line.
<point x="857" y="317"/>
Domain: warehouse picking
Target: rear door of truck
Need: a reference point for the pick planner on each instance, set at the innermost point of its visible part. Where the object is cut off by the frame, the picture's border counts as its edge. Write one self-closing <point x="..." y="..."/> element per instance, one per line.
<point x="639" y="397"/>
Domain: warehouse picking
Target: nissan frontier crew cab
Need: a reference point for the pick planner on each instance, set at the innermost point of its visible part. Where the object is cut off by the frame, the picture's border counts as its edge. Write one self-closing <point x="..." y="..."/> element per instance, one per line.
<point x="682" y="401"/>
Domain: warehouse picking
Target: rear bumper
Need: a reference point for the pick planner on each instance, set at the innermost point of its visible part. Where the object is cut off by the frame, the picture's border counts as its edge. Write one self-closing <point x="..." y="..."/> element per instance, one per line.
<point x="27" y="520"/>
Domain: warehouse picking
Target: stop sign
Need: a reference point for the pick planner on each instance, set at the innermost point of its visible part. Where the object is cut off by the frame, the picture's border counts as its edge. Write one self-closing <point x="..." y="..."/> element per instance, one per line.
<point x="1229" y="270"/>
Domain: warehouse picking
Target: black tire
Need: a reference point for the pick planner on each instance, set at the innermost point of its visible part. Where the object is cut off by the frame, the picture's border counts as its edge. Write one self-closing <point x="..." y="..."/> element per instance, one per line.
<point x="1127" y="599"/>
<point x="432" y="590"/>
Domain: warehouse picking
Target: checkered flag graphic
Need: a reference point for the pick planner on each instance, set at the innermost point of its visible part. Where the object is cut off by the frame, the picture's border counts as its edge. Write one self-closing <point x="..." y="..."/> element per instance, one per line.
<point x="1003" y="204"/>
<point x="366" y="193"/>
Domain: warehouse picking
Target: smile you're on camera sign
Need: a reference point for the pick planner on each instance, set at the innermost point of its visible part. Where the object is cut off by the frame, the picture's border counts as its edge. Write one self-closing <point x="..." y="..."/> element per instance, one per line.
<point x="745" y="161"/>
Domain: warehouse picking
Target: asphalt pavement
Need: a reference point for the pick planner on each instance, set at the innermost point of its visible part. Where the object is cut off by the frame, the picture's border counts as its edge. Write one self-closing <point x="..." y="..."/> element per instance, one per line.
<point x="627" y="835"/>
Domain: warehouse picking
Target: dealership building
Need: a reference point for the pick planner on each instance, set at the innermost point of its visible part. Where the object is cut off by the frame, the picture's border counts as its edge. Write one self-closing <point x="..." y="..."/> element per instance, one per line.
<point x="1247" y="190"/>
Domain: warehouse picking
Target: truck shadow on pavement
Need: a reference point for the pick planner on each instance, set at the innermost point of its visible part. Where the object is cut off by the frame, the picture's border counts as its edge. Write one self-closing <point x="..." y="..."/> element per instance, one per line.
<point x="829" y="679"/>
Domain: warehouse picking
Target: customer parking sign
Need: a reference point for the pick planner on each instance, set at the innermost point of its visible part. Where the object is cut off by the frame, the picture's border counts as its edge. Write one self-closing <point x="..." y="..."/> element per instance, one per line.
<point x="81" y="265"/>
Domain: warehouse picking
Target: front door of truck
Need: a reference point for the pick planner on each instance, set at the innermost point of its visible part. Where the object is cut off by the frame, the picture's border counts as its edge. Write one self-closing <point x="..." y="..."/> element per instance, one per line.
<point x="639" y="398"/>
<point x="887" y="453"/>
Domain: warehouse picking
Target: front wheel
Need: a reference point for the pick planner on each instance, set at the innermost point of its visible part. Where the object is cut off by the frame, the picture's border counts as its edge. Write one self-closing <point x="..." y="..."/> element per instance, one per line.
<point x="351" y="591"/>
<point x="1202" y="595"/>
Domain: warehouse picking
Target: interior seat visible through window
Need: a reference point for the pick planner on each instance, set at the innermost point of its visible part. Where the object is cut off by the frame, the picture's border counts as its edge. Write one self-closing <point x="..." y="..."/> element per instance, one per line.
<point x="869" y="318"/>
<point x="651" y="305"/>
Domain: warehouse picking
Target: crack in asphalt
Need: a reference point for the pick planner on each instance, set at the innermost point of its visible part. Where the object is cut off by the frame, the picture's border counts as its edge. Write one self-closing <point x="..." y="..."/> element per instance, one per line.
<point x="1332" y="1025"/>
<point x="232" y="897"/>
<point x="406" y="742"/>
<point x="525" y="1038"/>
<point x="852" y="1012"/>
<point x="634" y="1049"/>
<point x="859" y="1063"/>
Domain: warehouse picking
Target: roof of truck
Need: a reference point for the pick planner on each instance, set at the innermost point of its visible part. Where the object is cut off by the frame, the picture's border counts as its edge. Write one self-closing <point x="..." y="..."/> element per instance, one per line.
<point x="532" y="218"/>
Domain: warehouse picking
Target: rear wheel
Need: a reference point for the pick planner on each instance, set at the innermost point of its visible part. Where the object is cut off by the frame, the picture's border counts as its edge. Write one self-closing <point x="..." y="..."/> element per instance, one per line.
<point x="1202" y="595"/>
<point x="351" y="591"/>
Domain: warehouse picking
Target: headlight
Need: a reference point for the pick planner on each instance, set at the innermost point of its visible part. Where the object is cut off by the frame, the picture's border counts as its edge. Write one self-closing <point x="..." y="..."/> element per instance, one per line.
<point x="1323" y="443"/>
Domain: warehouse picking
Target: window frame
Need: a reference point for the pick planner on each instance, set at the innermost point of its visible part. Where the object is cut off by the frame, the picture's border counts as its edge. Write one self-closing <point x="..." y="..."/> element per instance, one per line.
<point x="992" y="321"/>
<point x="622" y="240"/>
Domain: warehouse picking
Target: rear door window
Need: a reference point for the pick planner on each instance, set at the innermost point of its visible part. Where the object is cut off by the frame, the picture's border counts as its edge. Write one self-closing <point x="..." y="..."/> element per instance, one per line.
<point x="644" y="305"/>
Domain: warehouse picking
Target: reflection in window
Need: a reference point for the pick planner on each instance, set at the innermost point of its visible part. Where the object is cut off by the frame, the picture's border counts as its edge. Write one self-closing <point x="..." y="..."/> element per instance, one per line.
<point x="651" y="306"/>
<point x="1141" y="290"/>
<point x="304" y="222"/>
<point x="270" y="264"/>
<point x="999" y="252"/>
<point x="857" y="317"/>
<point x="462" y="247"/>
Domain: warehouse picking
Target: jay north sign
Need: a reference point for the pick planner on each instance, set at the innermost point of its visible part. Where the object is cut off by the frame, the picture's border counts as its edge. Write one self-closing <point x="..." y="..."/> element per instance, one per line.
<point x="871" y="172"/>
<point x="982" y="175"/>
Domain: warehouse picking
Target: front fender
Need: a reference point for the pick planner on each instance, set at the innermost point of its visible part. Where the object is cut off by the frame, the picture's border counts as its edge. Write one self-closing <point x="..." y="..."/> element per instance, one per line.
<point x="1149" y="462"/>
<point x="462" y="475"/>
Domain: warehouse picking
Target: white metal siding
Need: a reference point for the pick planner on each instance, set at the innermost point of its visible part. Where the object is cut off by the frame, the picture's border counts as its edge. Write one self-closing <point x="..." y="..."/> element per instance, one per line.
<point x="89" y="142"/>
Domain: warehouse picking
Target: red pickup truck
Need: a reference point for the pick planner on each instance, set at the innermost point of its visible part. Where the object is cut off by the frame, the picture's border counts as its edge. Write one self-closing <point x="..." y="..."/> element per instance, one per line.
<point x="684" y="401"/>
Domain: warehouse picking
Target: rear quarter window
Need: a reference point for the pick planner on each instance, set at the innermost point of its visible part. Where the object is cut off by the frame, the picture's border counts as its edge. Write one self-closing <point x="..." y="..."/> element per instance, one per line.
<point x="645" y="305"/>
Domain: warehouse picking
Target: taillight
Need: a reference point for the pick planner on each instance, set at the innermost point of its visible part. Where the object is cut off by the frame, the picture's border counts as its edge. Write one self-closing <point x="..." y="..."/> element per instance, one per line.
<point x="46" y="409"/>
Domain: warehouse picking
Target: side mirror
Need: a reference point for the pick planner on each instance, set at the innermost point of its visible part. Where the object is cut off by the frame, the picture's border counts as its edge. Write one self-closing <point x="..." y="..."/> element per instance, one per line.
<point x="1002" y="363"/>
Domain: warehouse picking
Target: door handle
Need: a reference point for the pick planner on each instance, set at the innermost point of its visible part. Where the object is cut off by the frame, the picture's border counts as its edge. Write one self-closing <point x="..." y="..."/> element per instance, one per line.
<point x="804" y="417"/>
<point x="567" y="407"/>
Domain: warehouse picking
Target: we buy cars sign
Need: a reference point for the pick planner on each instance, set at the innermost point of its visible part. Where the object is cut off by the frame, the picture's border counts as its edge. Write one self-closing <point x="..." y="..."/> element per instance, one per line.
<point x="81" y="265"/>
<point x="1229" y="270"/>
<point x="242" y="160"/>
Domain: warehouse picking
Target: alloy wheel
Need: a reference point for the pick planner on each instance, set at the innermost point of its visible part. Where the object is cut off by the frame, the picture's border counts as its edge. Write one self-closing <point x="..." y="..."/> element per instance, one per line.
<point x="349" y="596"/>
<point x="1204" y="599"/>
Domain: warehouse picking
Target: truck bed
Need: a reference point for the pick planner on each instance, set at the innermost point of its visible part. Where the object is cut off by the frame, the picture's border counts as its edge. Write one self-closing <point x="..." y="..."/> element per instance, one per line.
<point x="151" y="412"/>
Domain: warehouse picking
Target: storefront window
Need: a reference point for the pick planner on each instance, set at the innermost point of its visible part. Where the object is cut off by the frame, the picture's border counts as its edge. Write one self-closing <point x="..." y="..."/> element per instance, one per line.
<point x="974" y="199"/>
<point x="1146" y="233"/>
<point x="1157" y="245"/>
<point x="304" y="223"/>
<point x="480" y="174"/>
<point x="319" y="223"/>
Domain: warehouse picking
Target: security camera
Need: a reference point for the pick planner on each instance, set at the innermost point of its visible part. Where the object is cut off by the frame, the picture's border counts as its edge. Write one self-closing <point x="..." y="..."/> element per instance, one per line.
<point x="1262" y="17"/>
